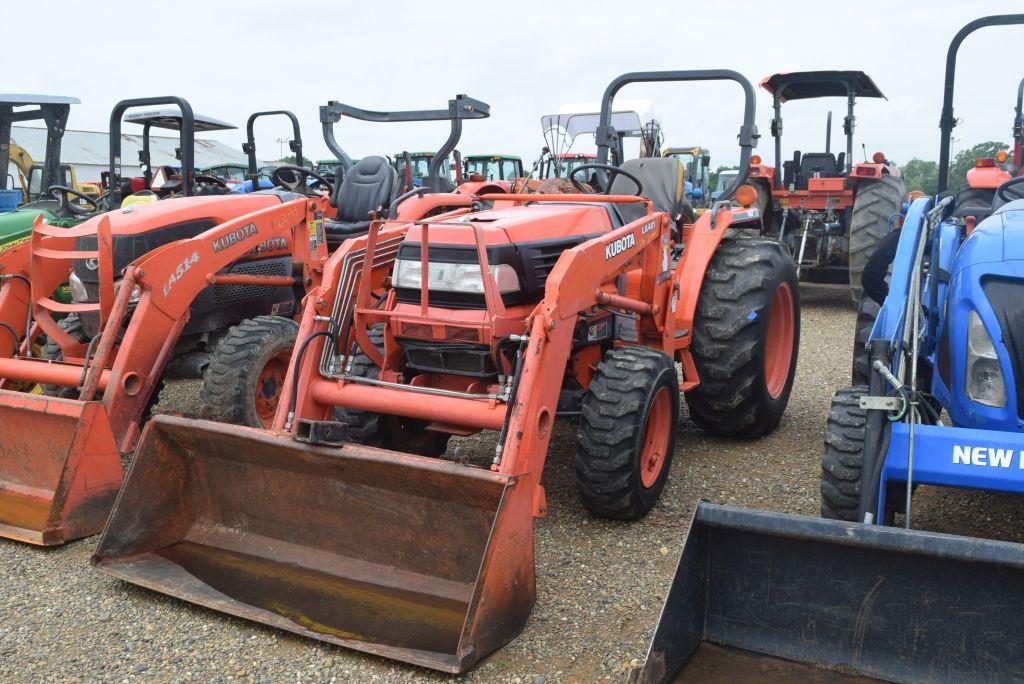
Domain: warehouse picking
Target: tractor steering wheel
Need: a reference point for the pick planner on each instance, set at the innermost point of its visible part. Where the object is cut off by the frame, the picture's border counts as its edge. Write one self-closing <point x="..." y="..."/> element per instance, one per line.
<point x="63" y="193"/>
<point x="614" y="170"/>
<point x="298" y="179"/>
<point x="1011" y="190"/>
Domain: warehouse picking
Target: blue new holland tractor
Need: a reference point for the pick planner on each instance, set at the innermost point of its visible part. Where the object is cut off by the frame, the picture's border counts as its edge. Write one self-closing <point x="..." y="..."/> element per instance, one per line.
<point x="758" y="592"/>
<point x="948" y="339"/>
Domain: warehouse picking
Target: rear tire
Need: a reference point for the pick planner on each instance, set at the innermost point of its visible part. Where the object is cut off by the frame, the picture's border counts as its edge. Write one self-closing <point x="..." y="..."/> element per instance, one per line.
<point x="243" y="382"/>
<point x="867" y="312"/>
<point x="876" y="201"/>
<point x="627" y="432"/>
<point x="746" y="336"/>
<point x="388" y="432"/>
<point x="72" y="325"/>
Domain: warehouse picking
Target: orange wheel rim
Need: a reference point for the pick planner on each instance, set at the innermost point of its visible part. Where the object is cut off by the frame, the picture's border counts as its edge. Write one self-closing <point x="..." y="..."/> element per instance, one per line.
<point x="778" y="348"/>
<point x="656" y="434"/>
<point x="268" y="387"/>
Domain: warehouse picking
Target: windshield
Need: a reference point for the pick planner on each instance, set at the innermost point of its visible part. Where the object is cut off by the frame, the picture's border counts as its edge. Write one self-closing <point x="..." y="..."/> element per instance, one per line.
<point x="493" y="169"/>
<point x="725" y="179"/>
<point x="35" y="179"/>
<point x="228" y="173"/>
<point x="420" y="167"/>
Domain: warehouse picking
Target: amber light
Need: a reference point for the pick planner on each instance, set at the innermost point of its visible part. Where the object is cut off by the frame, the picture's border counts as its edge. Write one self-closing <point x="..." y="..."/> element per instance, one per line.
<point x="1002" y="156"/>
<point x="755" y="160"/>
<point x="878" y="157"/>
<point x="746" y="195"/>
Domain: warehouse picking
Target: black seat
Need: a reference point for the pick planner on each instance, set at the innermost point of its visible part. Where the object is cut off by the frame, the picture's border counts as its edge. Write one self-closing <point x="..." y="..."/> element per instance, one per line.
<point x="369" y="185"/>
<point x="662" y="179"/>
<point x="816" y="165"/>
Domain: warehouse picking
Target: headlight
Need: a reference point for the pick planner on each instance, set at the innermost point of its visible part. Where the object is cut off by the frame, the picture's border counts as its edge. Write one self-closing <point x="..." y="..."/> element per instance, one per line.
<point x="984" y="375"/>
<point x="79" y="295"/>
<point x="444" y="277"/>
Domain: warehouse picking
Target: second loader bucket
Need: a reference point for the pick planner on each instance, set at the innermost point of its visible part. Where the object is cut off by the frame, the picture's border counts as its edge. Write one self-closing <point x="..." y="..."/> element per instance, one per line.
<point x="59" y="468"/>
<point x="762" y="596"/>
<point x="411" y="558"/>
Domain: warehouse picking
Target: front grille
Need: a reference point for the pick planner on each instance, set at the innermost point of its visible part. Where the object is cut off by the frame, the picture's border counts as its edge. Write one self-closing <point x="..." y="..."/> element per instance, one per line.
<point x="232" y="294"/>
<point x="1006" y="296"/>
<point x="473" y="360"/>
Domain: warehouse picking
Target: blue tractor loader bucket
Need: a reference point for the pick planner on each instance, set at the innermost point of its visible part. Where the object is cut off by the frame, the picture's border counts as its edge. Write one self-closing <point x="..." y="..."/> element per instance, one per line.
<point x="761" y="596"/>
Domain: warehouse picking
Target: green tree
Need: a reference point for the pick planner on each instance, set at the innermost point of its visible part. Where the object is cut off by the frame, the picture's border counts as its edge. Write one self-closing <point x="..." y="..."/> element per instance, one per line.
<point x="923" y="175"/>
<point x="964" y="160"/>
<point x="714" y="174"/>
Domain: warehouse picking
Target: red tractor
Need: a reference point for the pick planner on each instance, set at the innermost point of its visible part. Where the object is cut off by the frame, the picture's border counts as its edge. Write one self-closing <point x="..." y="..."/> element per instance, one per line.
<point x="827" y="210"/>
<point x="342" y="522"/>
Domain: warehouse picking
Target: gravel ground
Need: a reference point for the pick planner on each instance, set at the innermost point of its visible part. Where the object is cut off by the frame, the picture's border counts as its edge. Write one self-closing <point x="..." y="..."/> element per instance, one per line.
<point x="600" y="584"/>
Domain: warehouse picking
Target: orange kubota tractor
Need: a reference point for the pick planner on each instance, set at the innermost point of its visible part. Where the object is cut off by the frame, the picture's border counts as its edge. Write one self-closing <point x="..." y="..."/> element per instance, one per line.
<point x="342" y="524"/>
<point x="160" y="283"/>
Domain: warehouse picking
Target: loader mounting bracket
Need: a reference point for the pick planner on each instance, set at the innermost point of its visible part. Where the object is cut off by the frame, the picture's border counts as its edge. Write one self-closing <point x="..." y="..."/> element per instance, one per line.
<point x="325" y="432"/>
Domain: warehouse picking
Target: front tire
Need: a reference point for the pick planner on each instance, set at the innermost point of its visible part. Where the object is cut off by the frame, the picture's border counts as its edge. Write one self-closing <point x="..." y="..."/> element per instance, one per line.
<point x="243" y="381"/>
<point x="843" y="460"/>
<point x="745" y="339"/>
<point x="627" y="432"/>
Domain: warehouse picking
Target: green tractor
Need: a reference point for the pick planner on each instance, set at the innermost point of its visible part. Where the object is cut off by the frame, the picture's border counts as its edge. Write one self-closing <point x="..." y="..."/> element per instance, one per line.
<point x="494" y="167"/>
<point x="16" y="225"/>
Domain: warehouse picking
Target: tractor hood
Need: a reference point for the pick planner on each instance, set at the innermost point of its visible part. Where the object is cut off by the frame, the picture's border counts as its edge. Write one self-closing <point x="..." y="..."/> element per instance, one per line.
<point x="141" y="228"/>
<point x="998" y="238"/>
<point x="531" y="223"/>
<point x="530" y="239"/>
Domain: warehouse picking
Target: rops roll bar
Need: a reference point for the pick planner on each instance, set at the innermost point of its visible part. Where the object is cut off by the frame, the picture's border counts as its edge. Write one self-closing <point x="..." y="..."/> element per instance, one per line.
<point x="462" y="107"/>
<point x="186" y="137"/>
<point x="249" y="146"/>
<point x="947" y="121"/>
<point x="606" y="136"/>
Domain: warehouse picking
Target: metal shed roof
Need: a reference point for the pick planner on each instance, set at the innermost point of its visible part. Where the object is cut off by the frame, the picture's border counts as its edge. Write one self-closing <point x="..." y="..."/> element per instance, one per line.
<point x="93" y="148"/>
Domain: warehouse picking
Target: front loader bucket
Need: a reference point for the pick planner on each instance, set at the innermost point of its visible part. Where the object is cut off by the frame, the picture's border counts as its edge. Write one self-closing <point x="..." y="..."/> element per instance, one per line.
<point x="411" y="558"/>
<point x="761" y="596"/>
<point x="59" y="468"/>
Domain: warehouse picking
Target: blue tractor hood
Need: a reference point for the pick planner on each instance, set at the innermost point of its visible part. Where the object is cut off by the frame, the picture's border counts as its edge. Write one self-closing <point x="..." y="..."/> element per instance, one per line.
<point x="988" y="280"/>
<point x="1000" y="237"/>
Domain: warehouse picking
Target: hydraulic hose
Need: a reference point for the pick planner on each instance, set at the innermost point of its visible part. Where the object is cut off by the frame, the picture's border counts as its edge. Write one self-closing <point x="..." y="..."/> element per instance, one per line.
<point x="28" y="318"/>
<point x="294" y="399"/>
<point x="513" y="391"/>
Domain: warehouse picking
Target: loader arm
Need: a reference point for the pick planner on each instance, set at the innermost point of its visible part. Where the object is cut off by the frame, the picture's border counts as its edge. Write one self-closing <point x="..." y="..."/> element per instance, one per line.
<point x="577" y="283"/>
<point x="15" y="296"/>
<point x="170" y="278"/>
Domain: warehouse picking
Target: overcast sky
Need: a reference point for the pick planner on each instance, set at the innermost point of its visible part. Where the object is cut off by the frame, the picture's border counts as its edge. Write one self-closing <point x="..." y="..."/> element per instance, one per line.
<point x="525" y="59"/>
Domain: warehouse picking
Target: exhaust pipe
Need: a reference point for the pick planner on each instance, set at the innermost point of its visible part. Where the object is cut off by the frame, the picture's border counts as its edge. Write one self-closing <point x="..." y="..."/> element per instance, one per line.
<point x="763" y="596"/>
<point x="411" y="558"/>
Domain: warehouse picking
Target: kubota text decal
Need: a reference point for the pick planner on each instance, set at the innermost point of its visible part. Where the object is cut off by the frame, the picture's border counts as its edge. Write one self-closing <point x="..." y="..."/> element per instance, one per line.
<point x="616" y="248"/>
<point x="234" y="237"/>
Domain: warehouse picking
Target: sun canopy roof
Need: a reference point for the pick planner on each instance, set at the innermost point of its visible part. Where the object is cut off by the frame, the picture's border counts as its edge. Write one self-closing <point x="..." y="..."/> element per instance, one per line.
<point x="22" y="100"/>
<point x="629" y="116"/>
<point x="171" y="119"/>
<point x="804" y="85"/>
